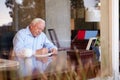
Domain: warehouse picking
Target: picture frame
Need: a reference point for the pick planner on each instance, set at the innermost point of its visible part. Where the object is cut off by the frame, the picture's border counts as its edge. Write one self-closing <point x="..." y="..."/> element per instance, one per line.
<point x="91" y="42"/>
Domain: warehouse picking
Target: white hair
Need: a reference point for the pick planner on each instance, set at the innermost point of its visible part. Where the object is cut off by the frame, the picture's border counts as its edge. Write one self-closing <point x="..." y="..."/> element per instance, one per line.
<point x="36" y="20"/>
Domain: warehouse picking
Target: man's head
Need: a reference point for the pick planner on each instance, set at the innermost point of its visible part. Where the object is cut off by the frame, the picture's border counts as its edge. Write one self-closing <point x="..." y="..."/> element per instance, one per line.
<point x="37" y="26"/>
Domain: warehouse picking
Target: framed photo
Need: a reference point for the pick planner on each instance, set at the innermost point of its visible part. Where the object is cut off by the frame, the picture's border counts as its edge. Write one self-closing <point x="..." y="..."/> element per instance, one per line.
<point x="91" y="42"/>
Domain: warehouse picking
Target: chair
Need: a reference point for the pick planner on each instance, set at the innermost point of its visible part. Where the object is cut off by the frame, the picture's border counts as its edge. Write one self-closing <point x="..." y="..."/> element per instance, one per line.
<point x="55" y="40"/>
<point x="6" y="44"/>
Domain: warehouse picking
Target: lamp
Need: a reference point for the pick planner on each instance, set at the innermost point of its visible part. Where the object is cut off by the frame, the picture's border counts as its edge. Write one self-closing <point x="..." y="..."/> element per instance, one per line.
<point x="19" y="2"/>
<point x="92" y="15"/>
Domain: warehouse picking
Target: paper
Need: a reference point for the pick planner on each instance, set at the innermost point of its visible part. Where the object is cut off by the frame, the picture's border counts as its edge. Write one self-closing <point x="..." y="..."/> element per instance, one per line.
<point x="43" y="55"/>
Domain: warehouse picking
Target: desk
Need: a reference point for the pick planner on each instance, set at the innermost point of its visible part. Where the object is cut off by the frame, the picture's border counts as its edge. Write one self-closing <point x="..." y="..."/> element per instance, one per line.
<point x="11" y="74"/>
<point x="7" y="67"/>
<point x="83" y="55"/>
<point x="82" y="61"/>
<point x="8" y="64"/>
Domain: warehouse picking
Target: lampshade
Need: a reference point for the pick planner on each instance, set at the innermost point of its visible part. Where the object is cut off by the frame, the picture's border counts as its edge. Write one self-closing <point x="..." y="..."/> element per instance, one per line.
<point x="92" y="15"/>
<point x="19" y="1"/>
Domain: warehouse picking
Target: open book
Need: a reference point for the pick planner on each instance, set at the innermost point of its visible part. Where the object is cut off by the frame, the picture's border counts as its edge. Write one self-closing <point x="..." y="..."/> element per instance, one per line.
<point x="91" y="42"/>
<point x="43" y="55"/>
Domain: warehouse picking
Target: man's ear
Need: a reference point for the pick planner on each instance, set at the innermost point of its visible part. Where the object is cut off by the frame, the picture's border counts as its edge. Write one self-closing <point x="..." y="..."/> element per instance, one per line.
<point x="30" y="26"/>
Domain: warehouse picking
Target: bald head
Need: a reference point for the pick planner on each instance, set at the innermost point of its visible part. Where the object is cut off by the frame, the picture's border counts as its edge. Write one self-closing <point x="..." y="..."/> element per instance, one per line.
<point x="37" y="26"/>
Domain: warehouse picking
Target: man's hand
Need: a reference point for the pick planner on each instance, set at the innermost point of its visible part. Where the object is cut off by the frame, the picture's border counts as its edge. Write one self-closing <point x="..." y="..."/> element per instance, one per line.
<point x="25" y="53"/>
<point x="54" y="51"/>
<point x="42" y="52"/>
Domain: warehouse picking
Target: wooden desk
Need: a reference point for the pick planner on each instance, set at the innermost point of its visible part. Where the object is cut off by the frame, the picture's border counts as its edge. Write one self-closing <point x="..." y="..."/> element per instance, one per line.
<point x="8" y="69"/>
<point x="8" y="64"/>
<point x="82" y="61"/>
<point x="83" y="55"/>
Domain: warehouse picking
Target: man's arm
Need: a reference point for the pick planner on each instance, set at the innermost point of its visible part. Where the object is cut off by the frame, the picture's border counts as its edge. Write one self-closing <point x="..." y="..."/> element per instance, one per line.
<point x="51" y="47"/>
<point x="18" y="46"/>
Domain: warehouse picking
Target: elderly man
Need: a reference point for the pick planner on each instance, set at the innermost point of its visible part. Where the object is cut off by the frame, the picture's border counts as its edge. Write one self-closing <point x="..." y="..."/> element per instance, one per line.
<point x="29" y="42"/>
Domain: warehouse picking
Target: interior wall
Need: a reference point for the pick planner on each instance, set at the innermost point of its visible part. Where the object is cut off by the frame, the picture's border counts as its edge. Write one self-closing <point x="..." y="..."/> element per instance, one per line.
<point x="58" y="18"/>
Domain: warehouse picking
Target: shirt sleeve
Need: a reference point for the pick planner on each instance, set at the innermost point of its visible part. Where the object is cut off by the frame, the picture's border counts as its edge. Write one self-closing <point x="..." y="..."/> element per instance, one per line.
<point x="18" y="46"/>
<point x="48" y="44"/>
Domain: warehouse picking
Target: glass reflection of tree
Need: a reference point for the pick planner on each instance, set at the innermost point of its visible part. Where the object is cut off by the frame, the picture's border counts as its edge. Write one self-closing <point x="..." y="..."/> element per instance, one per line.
<point x="28" y="10"/>
<point x="77" y="7"/>
<point x="78" y="12"/>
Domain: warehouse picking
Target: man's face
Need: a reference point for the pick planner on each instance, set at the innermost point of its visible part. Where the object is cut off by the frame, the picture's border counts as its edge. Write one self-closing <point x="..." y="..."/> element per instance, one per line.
<point x="37" y="29"/>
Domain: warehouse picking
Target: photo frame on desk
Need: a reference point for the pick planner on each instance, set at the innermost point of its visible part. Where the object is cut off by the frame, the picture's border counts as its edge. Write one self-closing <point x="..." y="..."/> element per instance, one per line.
<point x="91" y="42"/>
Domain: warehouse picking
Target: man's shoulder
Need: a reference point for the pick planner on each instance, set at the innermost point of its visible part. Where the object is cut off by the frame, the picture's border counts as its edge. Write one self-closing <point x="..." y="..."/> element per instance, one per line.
<point x="22" y="31"/>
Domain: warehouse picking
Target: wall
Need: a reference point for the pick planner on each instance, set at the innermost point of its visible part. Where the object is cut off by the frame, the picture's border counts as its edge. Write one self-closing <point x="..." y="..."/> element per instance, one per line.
<point x="58" y="18"/>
